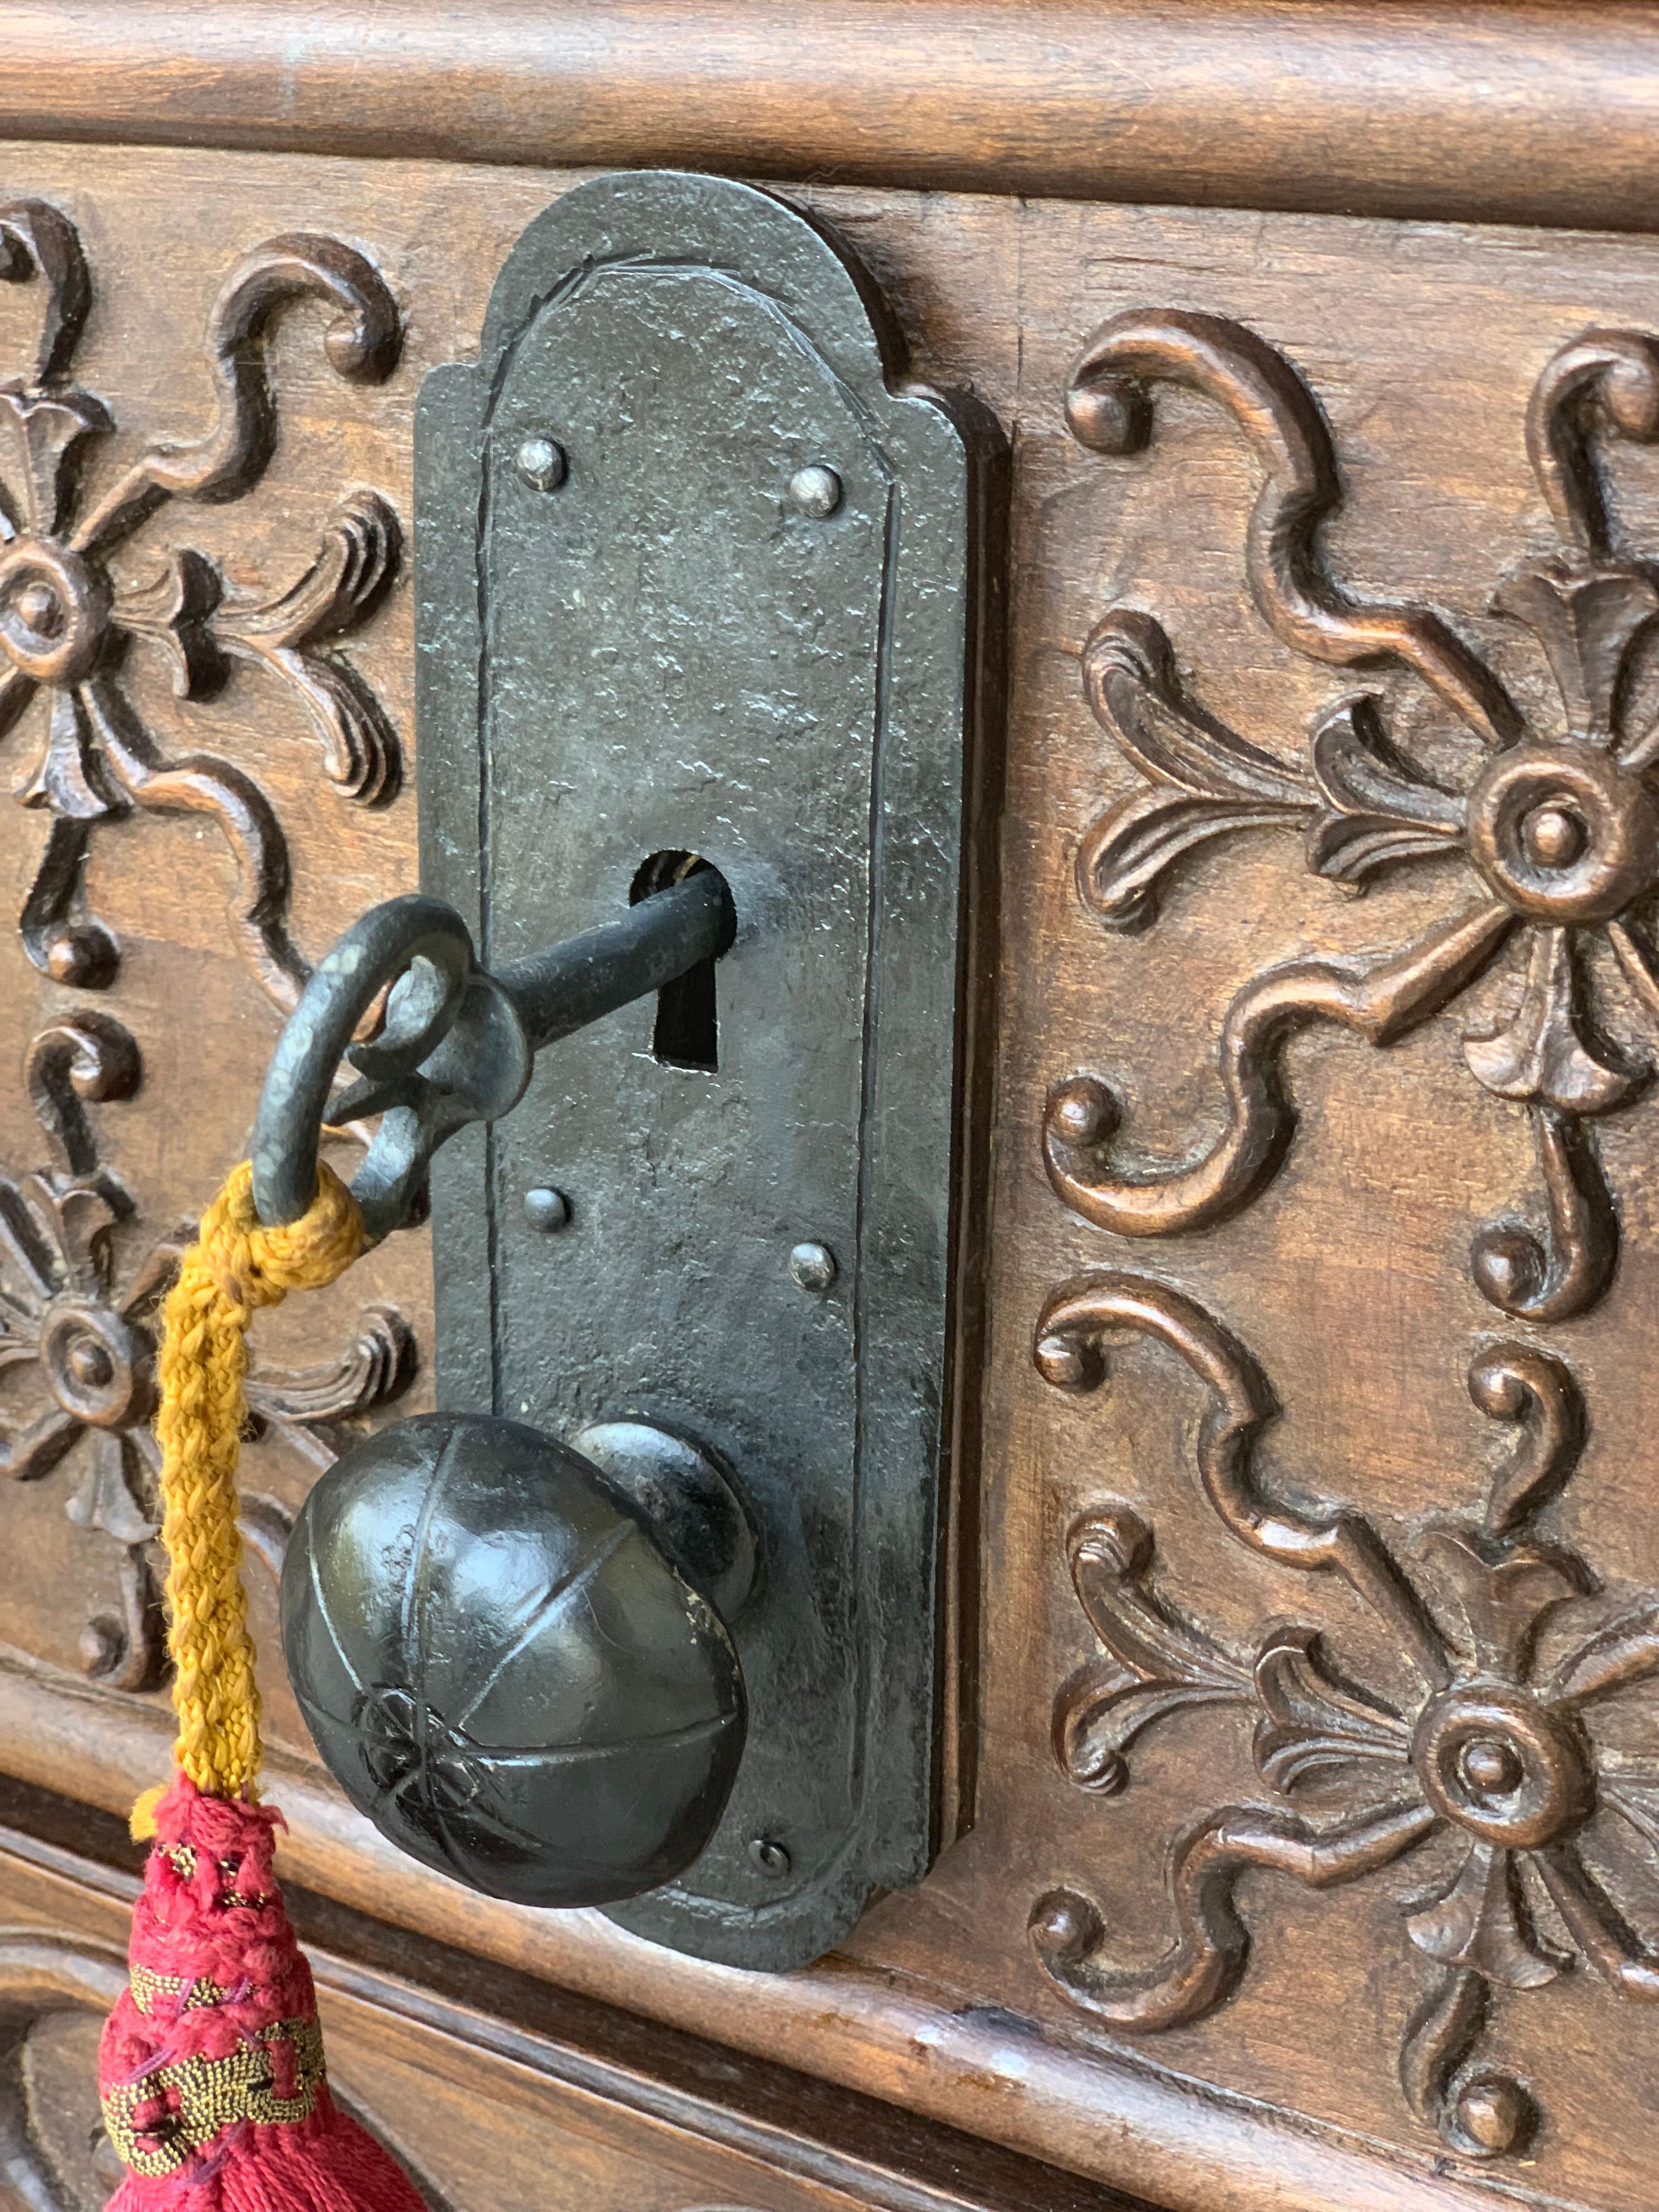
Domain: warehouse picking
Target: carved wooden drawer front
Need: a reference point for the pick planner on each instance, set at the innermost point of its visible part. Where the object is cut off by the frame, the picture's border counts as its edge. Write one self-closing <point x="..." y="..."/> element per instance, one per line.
<point x="1303" y="1781"/>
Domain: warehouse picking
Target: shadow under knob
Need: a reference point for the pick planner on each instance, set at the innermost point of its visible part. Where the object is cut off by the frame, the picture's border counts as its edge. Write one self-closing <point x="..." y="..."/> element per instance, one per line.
<point x="504" y="1668"/>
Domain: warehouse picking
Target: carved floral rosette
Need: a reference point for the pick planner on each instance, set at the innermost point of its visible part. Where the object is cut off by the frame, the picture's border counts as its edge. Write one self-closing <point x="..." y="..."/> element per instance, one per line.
<point x="81" y="1275"/>
<point x="67" y="618"/>
<point x="78" y="1340"/>
<point x="1493" y="1768"/>
<point x="1558" y="828"/>
<point x="1537" y="1830"/>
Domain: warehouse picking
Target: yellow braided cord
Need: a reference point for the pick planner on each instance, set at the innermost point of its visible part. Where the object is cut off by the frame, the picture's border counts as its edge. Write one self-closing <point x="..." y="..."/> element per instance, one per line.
<point x="235" y="1267"/>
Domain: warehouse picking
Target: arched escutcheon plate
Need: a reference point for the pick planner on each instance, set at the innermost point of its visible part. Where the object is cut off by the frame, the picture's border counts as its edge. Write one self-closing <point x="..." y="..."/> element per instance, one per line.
<point x="699" y="574"/>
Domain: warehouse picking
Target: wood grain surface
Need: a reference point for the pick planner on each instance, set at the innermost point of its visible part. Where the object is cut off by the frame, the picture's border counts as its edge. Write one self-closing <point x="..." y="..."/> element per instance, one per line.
<point x="1346" y="1276"/>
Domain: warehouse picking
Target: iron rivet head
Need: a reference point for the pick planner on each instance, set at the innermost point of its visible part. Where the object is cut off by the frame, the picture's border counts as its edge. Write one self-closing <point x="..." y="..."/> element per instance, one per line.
<point x="546" y="1209"/>
<point x="813" y="1267"/>
<point x="816" y="490"/>
<point x="769" y="1857"/>
<point x="542" y="463"/>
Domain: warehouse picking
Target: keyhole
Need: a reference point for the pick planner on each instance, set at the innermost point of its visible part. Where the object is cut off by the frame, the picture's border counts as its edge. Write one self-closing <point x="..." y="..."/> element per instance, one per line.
<point x="687" y="1032"/>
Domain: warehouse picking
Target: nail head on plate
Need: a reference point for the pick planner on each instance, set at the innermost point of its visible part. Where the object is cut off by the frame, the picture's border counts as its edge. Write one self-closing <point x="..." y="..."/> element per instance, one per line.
<point x="816" y="490"/>
<point x="542" y="463"/>
<point x="813" y="1267"/>
<point x="770" y="1855"/>
<point x="546" y="1209"/>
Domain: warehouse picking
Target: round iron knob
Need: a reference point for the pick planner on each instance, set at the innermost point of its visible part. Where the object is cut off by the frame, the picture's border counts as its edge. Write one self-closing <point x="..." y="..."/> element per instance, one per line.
<point x="511" y="1656"/>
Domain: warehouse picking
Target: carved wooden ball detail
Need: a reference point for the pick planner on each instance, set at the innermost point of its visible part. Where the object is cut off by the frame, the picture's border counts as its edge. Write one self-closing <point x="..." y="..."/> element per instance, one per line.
<point x="501" y="1668"/>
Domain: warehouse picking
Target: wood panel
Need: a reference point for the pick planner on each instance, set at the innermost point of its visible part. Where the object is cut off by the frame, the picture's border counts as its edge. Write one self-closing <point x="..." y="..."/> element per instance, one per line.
<point x="569" y="2106"/>
<point x="1345" y="1263"/>
<point x="1347" y="1275"/>
<point x="1525" y="111"/>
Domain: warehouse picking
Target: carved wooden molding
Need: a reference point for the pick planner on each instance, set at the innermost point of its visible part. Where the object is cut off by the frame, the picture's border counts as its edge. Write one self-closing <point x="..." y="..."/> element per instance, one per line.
<point x="66" y="618"/>
<point x="1493" y="1752"/>
<point x="1508" y="113"/>
<point x="1559" y="826"/>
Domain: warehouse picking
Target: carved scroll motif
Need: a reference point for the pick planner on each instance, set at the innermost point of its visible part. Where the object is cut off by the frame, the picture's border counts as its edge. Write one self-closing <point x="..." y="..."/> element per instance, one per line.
<point x="77" y="1348"/>
<point x="66" y="616"/>
<point x="1493" y="1754"/>
<point x="1559" y="827"/>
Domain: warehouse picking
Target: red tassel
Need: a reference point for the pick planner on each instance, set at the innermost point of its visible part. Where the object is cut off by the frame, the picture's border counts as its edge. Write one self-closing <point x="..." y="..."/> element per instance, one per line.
<point x="211" y="2064"/>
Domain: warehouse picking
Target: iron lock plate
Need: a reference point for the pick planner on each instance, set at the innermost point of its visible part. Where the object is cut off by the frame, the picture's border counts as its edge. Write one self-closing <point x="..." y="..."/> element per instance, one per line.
<point x="643" y="630"/>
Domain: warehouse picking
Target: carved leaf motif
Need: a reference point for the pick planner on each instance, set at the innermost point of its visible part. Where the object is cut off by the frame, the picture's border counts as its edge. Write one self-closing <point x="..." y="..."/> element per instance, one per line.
<point x="1504" y="1594"/>
<point x="31" y="1449"/>
<point x="353" y="568"/>
<point x="70" y="778"/>
<point x="1480" y="1920"/>
<point x="1565" y="843"/>
<point x="1134" y="845"/>
<point x="374" y="1367"/>
<point x="174" y="608"/>
<point x="1562" y="839"/>
<point x="1129" y="668"/>
<point x="79" y="1345"/>
<point x="16" y="691"/>
<point x="1111" y="1554"/>
<point x="1548" y="1054"/>
<point x="1638" y="1800"/>
<point x="1588" y="622"/>
<point x="63" y="616"/>
<point x="1638" y="964"/>
<point x="50" y="426"/>
<point x="1625" y="1651"/>
<point x="1379" y="807"/>
<point x="1207" y="781"/>
<point x="361" y="755"/>
<point x="25" y="1247"/>
<point x="1314" y="1724"/>
<point x="116" y="1492"/>
<point x="1104" y="1718"/>
<point x="1492" y="1758"/>
<point x="1161" y="1665"/>
<point x="348" y="576"/>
